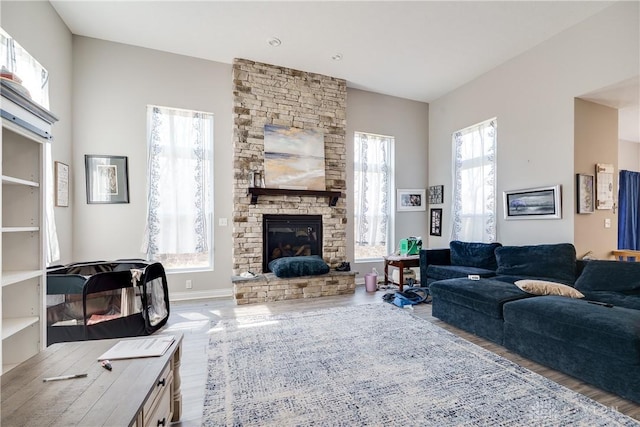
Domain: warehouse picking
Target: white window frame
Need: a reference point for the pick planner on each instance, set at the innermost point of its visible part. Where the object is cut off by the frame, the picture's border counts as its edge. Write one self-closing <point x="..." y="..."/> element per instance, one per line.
<point x="390" y="197"/>
<point x="208" y="214"/>
<point x="481" y="133"/>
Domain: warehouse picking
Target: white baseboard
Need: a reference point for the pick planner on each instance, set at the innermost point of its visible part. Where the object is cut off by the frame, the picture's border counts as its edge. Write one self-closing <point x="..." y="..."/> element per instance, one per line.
<point x="214" y="293"/>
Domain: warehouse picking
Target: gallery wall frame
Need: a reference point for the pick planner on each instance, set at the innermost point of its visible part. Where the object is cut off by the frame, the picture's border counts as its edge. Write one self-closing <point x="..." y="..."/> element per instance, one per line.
<point x="435" y="222"/>
<point x="411" y="200"/>
<point x="61" y="172"/>
<point x="584" y="193"/>
<point x="533" y="203"/>
<point x="107" y="179"/>
<point x="436" y="194"/>
<point x="604" y="186"/>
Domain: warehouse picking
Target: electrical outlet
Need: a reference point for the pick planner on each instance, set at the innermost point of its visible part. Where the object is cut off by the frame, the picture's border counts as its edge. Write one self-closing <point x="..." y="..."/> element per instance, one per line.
<point x="222" y="222"/>
<point x="607" y="223"/>
<point x="189" y="284"/>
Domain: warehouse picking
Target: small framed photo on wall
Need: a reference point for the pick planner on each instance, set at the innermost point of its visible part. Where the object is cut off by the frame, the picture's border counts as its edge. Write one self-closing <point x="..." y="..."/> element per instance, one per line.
<point x="107" y="179"/>
<point x="435" y="222"/>
<point x="436" y="196"/>
<point x="584" y="192"/>
<point x="411" y="200"/>
<point x="61" y="172"/>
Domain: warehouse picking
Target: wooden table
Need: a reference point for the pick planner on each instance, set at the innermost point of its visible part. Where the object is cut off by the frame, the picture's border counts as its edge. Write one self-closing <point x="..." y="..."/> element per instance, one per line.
<point x="137" y="392"/>
<point x="626" y="255"/>
<point x="401" y="262"/>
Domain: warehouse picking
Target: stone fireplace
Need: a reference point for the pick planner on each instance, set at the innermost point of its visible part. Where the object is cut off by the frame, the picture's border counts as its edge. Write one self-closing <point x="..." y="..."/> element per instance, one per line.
<point x="290" y="235"/>
<point x="268" y="94"/>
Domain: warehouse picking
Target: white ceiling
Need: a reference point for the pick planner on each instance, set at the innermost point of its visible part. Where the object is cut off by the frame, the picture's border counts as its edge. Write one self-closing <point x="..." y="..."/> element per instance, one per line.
<point x="418" y="50"/>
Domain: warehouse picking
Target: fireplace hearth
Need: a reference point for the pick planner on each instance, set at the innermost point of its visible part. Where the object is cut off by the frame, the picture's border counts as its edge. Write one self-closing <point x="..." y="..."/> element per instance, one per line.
<point x="290" y="235"/>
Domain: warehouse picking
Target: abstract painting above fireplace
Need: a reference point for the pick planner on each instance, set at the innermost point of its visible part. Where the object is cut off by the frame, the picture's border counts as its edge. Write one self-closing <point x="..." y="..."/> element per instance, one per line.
<point x="294" y="158"/>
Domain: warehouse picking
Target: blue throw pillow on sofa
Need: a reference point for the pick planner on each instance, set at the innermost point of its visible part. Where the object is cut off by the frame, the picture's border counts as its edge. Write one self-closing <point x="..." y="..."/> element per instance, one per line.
<point x="296" y="266"/>
<point x="556" y="262"/>
<point x="601" y="275"/>
<point x="473" y="254"/>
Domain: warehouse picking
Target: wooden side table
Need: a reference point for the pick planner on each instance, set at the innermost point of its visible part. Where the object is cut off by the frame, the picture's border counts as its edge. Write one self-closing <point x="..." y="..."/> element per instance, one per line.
<point x="626" y="255"/>
<point x="400" y="262"/>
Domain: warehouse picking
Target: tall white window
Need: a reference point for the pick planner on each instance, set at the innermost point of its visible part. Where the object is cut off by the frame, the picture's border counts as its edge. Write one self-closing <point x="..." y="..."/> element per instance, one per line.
<point x="474" y="196"/>
<point x="179" y="188"/>
<point x="372" y="195"/>
<point x="27" y="75"/>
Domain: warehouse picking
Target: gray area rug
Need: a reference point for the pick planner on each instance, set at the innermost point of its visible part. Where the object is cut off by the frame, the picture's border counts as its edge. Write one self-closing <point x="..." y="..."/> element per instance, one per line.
<point x="376" y="365"/>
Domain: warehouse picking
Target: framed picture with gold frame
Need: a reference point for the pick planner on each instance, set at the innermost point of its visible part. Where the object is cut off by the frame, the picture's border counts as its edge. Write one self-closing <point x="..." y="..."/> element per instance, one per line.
<point x="61" y="172"/>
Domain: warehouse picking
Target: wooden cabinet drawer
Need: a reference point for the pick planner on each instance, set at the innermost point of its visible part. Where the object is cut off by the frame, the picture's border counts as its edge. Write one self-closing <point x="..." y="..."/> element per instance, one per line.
<point x="162" y="385"/>
<point x="161" y="413"/>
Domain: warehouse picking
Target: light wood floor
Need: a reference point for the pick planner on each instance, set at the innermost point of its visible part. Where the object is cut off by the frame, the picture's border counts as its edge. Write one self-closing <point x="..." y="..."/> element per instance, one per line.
<point x="193" y="319"/>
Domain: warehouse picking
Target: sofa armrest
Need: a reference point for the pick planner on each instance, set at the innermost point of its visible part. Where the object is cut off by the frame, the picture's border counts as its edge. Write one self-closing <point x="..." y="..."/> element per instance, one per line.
<point x="433" y="257"/>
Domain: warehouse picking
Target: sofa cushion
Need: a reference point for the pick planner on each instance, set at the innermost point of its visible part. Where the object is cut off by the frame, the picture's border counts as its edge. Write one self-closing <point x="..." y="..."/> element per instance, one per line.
<point x="484" y="296"/>
<point x="609" y="276"/>
<point x="556" y="262"/>
<point x="618" y="299"/>
<point x="543" y="287"/>
<point x="609" y="331"/>
<point x="474" y="254"/>
<point x="296" y="266"/>
<point x="443" y="272"/>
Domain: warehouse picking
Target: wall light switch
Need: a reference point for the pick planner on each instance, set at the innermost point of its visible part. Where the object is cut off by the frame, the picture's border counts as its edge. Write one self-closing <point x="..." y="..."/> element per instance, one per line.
<point x="222" y="222"/>
<point x="607" y="223"/>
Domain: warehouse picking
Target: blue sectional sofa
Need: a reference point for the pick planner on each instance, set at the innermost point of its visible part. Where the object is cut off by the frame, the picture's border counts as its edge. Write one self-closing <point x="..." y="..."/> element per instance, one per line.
<point x="460" y="259"/>
<point x="594" y="337"/>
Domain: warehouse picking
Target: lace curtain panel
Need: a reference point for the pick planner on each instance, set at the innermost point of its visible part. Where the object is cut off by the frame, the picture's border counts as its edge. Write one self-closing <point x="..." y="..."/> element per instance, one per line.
<point x="474" y="192"/>
<point x="178" y="182"/>
<point x="371" y="191"/>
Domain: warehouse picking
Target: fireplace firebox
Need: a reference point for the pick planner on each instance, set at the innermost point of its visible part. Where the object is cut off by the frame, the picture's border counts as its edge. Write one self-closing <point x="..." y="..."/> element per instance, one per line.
<point x="290" y="235"/>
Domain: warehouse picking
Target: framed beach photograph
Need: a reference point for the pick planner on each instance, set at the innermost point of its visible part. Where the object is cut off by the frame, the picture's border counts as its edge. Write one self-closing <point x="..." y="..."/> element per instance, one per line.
<point x="533" y="203"/>
<point x="411" y="200"/>
<point x="107" y="179"/>
<point x="584" y="193"/>
<point x="435" y="222"/>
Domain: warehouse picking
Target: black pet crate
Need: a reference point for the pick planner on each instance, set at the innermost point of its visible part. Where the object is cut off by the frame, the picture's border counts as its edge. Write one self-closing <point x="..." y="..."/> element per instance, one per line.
<point x="102" y="299"/>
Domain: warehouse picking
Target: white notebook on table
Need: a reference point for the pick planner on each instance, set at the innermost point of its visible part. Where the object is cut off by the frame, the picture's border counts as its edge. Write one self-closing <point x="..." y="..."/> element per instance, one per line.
<point x="143" y="347"/>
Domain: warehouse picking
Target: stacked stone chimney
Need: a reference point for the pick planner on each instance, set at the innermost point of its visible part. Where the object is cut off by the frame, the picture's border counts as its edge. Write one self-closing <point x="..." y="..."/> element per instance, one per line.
<point x="268" y="94"/>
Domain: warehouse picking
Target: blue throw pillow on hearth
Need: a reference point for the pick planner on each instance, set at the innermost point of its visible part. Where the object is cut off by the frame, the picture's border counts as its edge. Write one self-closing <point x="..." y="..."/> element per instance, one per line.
<point x="296" y="266"/>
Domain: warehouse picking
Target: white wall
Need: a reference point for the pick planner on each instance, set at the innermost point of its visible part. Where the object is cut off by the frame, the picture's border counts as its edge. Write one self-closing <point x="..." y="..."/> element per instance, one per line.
<point x="37" y="27"/>
<point x="407" y="121"/>
<point x="629" y="155"/>
<point x="113" y="84"/>
<point x="533" y="98"/>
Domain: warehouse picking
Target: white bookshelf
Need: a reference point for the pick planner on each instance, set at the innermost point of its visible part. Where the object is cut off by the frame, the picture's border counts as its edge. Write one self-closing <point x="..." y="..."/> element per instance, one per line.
<point x="22" y="257"/>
